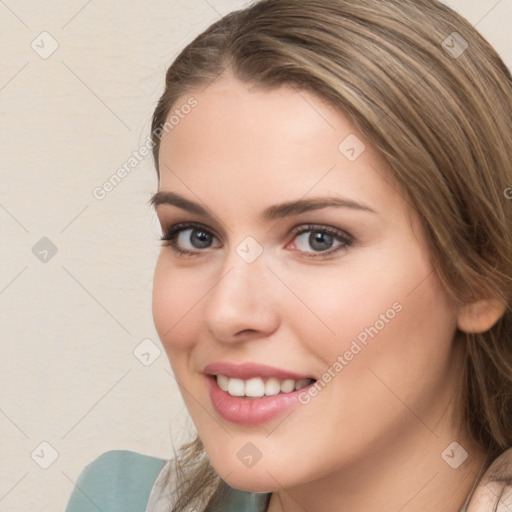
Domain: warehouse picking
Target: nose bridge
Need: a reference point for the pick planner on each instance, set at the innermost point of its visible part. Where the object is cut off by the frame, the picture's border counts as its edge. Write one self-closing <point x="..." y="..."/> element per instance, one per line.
<point x="241" y="301"/>
<point x="238" y="283"/>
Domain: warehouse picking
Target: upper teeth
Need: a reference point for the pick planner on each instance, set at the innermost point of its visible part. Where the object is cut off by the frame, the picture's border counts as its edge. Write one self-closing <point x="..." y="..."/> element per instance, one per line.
<point x="257" y="387"/>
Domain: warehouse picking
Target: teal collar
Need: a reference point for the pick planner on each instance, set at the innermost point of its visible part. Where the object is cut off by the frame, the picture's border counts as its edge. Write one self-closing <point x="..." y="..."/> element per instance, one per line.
<point x="233" y="500"/>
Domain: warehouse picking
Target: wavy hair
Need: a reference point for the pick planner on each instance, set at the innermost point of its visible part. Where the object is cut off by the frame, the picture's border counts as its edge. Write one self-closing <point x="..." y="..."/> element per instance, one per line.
<point x="432" y="95"/>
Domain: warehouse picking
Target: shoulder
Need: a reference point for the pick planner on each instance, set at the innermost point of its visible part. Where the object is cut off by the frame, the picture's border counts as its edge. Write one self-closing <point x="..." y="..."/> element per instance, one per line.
<point x="494" y="491"/>
<point x="225" y="498"/>
<point x="118" y="480"/>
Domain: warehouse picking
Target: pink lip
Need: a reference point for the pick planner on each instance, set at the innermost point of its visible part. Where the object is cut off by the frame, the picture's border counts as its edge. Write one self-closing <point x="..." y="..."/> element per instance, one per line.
<point x="251" y="411"/>
<point x="249" y="370"/>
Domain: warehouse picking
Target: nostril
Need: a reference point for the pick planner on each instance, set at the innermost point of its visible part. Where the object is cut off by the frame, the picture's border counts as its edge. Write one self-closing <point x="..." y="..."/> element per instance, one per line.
<point x="246" y="332"/>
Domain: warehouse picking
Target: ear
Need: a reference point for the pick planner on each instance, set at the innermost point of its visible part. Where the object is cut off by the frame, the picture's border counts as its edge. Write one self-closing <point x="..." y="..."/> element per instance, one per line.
<point x="480" y="315"/>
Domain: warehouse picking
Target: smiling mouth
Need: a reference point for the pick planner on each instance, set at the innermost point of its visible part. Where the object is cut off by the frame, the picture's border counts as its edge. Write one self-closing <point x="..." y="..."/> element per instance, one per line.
<point x="258" y="387"/>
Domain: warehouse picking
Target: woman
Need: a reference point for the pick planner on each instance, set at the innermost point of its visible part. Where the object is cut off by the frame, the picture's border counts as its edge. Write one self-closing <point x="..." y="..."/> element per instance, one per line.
<point x="333" y="291"/>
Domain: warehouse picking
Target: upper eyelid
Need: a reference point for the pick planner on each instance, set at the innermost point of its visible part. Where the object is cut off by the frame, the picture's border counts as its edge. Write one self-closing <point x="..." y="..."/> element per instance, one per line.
<point x="319" y="227"/>
<point x="305" y="226"/>
<point x="179" y="227"/>
<point x="183" y="226"/>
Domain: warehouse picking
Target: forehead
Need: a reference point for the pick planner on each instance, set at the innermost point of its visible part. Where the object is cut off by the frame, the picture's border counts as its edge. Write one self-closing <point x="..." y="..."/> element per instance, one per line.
<point x="266" y="145"/>
<point x="229" y="111"/>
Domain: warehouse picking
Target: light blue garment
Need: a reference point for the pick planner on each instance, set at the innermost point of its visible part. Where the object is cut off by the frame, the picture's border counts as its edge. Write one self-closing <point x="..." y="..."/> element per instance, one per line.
<point x="121" y="481"/>
<point x="117" y="481"/>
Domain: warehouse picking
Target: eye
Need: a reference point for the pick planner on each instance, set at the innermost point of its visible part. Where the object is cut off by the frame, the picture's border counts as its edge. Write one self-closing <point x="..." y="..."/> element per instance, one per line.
<point x="321" y="240"/>
<point x="312" y="240"/>
<point x="189" y="239"/>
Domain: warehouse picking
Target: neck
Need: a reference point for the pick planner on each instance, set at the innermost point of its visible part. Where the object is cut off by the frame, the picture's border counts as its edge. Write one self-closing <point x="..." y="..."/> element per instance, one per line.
<point x="407" y="476"/>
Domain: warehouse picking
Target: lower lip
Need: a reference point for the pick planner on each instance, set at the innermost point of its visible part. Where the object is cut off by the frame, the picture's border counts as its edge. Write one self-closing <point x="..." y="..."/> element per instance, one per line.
<point x="251" y="411"/>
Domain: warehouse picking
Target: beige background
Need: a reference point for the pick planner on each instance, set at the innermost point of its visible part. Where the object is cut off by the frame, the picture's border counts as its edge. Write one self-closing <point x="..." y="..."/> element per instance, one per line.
<point x="70" y="324"/>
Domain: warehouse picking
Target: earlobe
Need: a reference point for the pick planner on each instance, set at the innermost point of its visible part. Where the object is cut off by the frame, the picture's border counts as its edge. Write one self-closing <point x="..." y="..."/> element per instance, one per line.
<point x="480" y="315"/>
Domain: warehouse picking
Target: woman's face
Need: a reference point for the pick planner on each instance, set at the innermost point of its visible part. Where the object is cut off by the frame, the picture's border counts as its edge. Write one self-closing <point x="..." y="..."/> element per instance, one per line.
<point x="307" y="269"/>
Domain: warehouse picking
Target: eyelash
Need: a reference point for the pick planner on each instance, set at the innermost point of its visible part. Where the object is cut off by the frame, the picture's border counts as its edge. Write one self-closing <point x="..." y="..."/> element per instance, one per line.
<point x="169" y="238"/>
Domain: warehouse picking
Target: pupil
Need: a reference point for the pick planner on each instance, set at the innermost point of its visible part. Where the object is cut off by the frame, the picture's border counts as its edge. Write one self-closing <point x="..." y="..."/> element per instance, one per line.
<point x="320" y="241"/>
<point x="200" y="239"/>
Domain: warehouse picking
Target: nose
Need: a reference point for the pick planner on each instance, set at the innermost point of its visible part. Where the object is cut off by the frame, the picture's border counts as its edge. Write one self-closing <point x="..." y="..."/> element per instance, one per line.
<point x="241" y="306"/>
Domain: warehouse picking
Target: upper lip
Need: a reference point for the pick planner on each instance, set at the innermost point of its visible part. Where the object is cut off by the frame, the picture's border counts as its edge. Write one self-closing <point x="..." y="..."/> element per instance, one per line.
<point x="250" y="370"/>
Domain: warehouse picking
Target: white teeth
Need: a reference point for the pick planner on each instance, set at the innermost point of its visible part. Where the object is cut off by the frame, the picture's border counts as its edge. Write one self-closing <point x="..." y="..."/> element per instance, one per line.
<point x="254" y="387"/>
<point x="236" y="387"/>
<point x="222" y="381"/>
<point x="272" y="387"/>
<point x="257" y="387"/>
<point x="301" y="384"/>
<point x="287" y="386"/>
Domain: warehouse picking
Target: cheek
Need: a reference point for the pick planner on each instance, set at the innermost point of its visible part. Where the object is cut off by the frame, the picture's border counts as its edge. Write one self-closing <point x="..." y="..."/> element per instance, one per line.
<point x="379" y="312"/>
<point x="420" y="340"/>
<point x="175" y="305"/>
<point x="338" y="305"/>
<point x="395" y="339"/>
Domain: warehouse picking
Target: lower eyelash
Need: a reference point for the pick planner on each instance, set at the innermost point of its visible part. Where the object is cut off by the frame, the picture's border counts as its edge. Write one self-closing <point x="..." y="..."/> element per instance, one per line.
<point x="181" y="252"/>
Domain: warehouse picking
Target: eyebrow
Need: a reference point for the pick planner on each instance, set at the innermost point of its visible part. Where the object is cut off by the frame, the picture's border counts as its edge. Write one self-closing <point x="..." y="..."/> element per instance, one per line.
<point x="277" y="211"/>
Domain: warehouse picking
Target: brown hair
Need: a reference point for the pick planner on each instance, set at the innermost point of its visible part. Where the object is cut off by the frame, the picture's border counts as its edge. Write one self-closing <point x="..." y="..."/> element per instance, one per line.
<point x="440" y="116"/>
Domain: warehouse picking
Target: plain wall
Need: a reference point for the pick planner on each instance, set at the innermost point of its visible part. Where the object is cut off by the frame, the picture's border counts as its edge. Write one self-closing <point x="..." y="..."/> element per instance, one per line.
<point x="70" y="321"/>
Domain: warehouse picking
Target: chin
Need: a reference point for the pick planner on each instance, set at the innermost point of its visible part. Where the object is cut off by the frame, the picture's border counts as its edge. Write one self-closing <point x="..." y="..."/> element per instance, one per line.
<point x="249" y="482"/>
<point x="249" y="479"/>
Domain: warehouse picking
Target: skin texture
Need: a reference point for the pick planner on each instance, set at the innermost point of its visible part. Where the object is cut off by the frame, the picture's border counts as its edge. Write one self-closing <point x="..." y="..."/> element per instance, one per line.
<point x="372" y="439"/>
